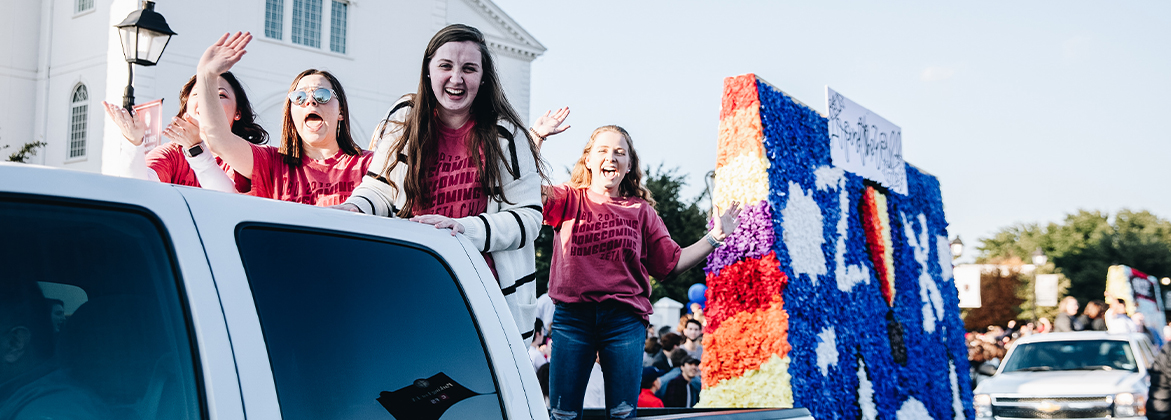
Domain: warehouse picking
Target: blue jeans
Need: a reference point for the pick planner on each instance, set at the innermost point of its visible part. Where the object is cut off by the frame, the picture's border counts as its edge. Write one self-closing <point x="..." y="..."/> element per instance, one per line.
<point x="611" y="331"/>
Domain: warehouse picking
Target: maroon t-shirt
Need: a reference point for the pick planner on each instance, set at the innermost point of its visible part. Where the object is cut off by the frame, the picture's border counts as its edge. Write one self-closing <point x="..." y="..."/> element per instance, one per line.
<point x="454" y="181"/>
<point x="606" y="249"/>
<point x="171" y="166"/>
<point x="316" y="182"/>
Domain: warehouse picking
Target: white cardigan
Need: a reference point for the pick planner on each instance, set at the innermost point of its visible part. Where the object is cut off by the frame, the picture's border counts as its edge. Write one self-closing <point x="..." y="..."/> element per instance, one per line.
<point x="505" y="230"/>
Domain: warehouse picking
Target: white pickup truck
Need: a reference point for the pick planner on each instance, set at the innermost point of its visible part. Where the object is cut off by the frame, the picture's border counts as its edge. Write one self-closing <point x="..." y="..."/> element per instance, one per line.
<point x="182" y="303"/>
<point x="1082" y="375"/>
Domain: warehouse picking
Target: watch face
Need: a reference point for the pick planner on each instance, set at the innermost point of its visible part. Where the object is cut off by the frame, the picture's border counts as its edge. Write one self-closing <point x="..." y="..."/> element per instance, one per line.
<point x="194" y="151"/>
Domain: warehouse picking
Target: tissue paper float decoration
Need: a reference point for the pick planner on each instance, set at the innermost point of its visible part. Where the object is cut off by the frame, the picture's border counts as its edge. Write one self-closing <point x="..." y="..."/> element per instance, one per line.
<point x="835" y="294"/>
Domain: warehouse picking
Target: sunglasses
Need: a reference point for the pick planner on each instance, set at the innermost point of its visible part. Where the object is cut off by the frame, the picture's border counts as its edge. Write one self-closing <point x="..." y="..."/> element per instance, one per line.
<point x="320" y="95"/>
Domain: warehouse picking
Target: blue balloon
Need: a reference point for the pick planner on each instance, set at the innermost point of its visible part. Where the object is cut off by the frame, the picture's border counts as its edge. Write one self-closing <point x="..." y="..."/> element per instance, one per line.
<point x="696" y="294"/>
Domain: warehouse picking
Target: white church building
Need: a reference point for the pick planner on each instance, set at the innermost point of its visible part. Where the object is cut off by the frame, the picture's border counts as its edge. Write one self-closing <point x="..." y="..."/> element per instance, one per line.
<point x="60" y="58"/>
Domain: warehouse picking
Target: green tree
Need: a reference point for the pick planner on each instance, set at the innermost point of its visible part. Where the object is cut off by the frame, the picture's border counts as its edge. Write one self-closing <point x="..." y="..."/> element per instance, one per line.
<point x="685" y="221"/>
<point x="998" y="300"/>
<point x="1085" y="244"/>
<point x="25" y="152"/>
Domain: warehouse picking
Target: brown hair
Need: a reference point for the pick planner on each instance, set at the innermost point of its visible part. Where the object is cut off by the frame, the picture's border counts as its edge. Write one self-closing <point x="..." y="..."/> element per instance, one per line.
<point x="292" y="147"/>
<point x="420" y="131"/>
<point x="246" y="127"/>
<point x="631" y="185"/>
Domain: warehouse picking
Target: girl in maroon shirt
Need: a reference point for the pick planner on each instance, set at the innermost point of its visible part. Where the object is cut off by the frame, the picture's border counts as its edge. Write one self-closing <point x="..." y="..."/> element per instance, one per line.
<point x="169" y="163"/>
<point x="608" y="243"/>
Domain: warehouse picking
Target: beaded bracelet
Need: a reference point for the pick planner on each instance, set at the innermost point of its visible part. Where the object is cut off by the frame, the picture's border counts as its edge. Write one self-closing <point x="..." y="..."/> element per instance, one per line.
<point x="531" y="130"/>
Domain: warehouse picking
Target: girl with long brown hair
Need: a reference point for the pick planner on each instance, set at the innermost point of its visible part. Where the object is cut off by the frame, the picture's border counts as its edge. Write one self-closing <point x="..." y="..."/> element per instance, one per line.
<point x="608" y="242"/>
<point x="317" y="162"/>
<point x="455" y="155"/>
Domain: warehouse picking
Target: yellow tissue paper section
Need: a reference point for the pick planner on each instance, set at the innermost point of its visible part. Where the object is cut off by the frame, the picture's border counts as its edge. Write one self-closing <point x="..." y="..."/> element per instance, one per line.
<point x="768" y="387"/>
<point x="744" y="178"/>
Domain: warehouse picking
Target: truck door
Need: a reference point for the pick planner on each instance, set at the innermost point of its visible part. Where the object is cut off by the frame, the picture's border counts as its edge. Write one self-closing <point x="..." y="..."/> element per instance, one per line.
<point x="107" y="306"/>
<point x="338" y="316"/>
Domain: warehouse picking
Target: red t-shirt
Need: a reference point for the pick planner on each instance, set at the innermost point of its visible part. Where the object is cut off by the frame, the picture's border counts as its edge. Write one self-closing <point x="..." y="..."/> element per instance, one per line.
<point x="171" y="166"/>
<point x="647" y="399"/>
<point x="606" y="248"/>
<point x="317" y="182"/>
<point x="454" y="181"/>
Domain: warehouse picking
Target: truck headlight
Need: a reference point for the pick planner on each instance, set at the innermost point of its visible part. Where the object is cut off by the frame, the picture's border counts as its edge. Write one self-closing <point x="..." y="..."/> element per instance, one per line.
<point x="1130" y="405"/>
<point x="983" y="403"/>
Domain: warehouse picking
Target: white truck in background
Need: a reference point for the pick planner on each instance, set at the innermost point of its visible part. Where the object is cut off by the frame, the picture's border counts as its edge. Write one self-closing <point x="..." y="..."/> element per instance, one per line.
<point x="183" y="303"/>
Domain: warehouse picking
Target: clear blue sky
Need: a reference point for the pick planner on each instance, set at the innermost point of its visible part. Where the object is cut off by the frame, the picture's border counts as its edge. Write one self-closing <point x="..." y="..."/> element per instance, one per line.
<point x="1025" y="111"/>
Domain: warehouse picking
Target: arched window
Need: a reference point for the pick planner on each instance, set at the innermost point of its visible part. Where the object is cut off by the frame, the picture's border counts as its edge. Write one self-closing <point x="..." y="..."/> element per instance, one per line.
<point x="78" y="121"/>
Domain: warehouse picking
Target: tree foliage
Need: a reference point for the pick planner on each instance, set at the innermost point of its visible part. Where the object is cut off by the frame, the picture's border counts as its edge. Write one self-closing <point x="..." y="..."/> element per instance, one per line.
<point x="998" y="300"/>
<point x="25" y="152"/>
<point x="686" y="222"/>
<point x="1085" y="244"/>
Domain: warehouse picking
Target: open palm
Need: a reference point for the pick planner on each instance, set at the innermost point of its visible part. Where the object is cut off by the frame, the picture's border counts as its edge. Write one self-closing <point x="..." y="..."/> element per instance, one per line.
<point x="225" y="53"/>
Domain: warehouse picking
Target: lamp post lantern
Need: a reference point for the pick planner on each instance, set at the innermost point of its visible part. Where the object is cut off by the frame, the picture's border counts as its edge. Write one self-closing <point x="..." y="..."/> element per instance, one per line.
<point x="144" y="34"/>
<point x="957" y="248"/>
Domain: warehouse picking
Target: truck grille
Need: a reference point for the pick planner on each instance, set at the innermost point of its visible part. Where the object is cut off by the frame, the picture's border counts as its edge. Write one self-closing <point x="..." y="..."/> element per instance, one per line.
<point x="1064" y="413"/>
<point x="1072" y="407"/>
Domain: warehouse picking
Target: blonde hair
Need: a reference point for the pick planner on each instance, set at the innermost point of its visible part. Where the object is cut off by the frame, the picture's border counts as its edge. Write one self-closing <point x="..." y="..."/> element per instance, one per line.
<point x="631" y="185"/>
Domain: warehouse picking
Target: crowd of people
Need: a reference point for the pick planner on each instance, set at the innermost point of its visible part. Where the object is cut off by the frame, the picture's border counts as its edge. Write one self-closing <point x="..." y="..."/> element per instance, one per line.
<point x="454" y="154"/>
<point x="670" y="362"/>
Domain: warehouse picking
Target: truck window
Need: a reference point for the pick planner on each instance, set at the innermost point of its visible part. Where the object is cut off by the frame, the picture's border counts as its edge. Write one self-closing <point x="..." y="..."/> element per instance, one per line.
<point x="357" y="327"/>
<point x="91" y="310"/>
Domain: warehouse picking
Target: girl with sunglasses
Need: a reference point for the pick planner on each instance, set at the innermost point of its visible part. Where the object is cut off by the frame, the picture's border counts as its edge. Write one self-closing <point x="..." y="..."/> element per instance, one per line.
<point x="317" y="162"/>
<point x="455" y="155"/>
<point x="608" y="243"/>
<point x="186" y="160"/>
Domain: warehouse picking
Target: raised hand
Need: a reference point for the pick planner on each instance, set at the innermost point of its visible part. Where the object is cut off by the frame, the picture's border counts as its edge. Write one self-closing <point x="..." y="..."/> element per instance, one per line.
<point x="440" y="222"/>
<point x="184" y="131"/>
<point x="550" y="123"/>
<point x="225" y="53"/>
<point x="131" y="125"/>
<point x="727" y="222"/>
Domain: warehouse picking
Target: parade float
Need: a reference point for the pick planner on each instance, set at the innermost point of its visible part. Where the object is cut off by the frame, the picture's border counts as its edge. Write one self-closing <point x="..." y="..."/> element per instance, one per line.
<point x="1140" y="291"/>
<point x="836" y="293"/>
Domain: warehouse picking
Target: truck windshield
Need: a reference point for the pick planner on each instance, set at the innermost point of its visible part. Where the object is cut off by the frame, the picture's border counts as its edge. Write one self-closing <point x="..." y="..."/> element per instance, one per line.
<point x="1072" y="355"/>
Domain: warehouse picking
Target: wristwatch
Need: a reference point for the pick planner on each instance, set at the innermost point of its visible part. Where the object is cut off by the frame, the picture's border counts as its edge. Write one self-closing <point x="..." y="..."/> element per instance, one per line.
<point x="193" y="151"/>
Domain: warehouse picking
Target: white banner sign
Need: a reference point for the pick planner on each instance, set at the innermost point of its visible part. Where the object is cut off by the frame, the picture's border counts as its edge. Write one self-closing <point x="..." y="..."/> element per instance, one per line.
<point x="967" y="277"/>
<point x="1046" y="290"/>
<point x="864" y="143"/>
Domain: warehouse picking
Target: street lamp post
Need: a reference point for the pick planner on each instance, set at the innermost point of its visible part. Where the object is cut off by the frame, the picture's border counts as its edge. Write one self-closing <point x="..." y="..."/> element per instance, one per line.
<point x="957" y="248"/>
<point x="144" y="34"/>
<point x="1039" y="259"/>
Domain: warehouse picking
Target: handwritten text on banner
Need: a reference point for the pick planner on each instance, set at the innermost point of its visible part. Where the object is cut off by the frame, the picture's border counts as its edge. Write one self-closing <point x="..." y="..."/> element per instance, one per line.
<point x="866" y="144"/>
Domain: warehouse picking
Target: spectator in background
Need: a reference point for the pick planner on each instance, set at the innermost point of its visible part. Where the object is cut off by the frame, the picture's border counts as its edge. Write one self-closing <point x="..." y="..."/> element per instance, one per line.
<point x="1067" y="319"/>
<point x="1043" y="326"/>
<point x="652" y="350"/>
<point x="670" y="341"/>
<point x="1159" y="395"/>
<point x="1167" y="332"/>
<point x="677" y="357"/>
<point x="1117" y="322"/>
<point x="57" y="313"/>
<point x="650" y="384"/>
<point x="545" y="311"/>
<point x="694" y="334"/>
<point x="697" y="313"/>
<point x="1092" y="316"/>
<point x="1140" y="324"/>
<point x="679" y="391"/>
<point x="543" y="379"/>
<point x="683" y="322"/>
<point x="535" y="354"/>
